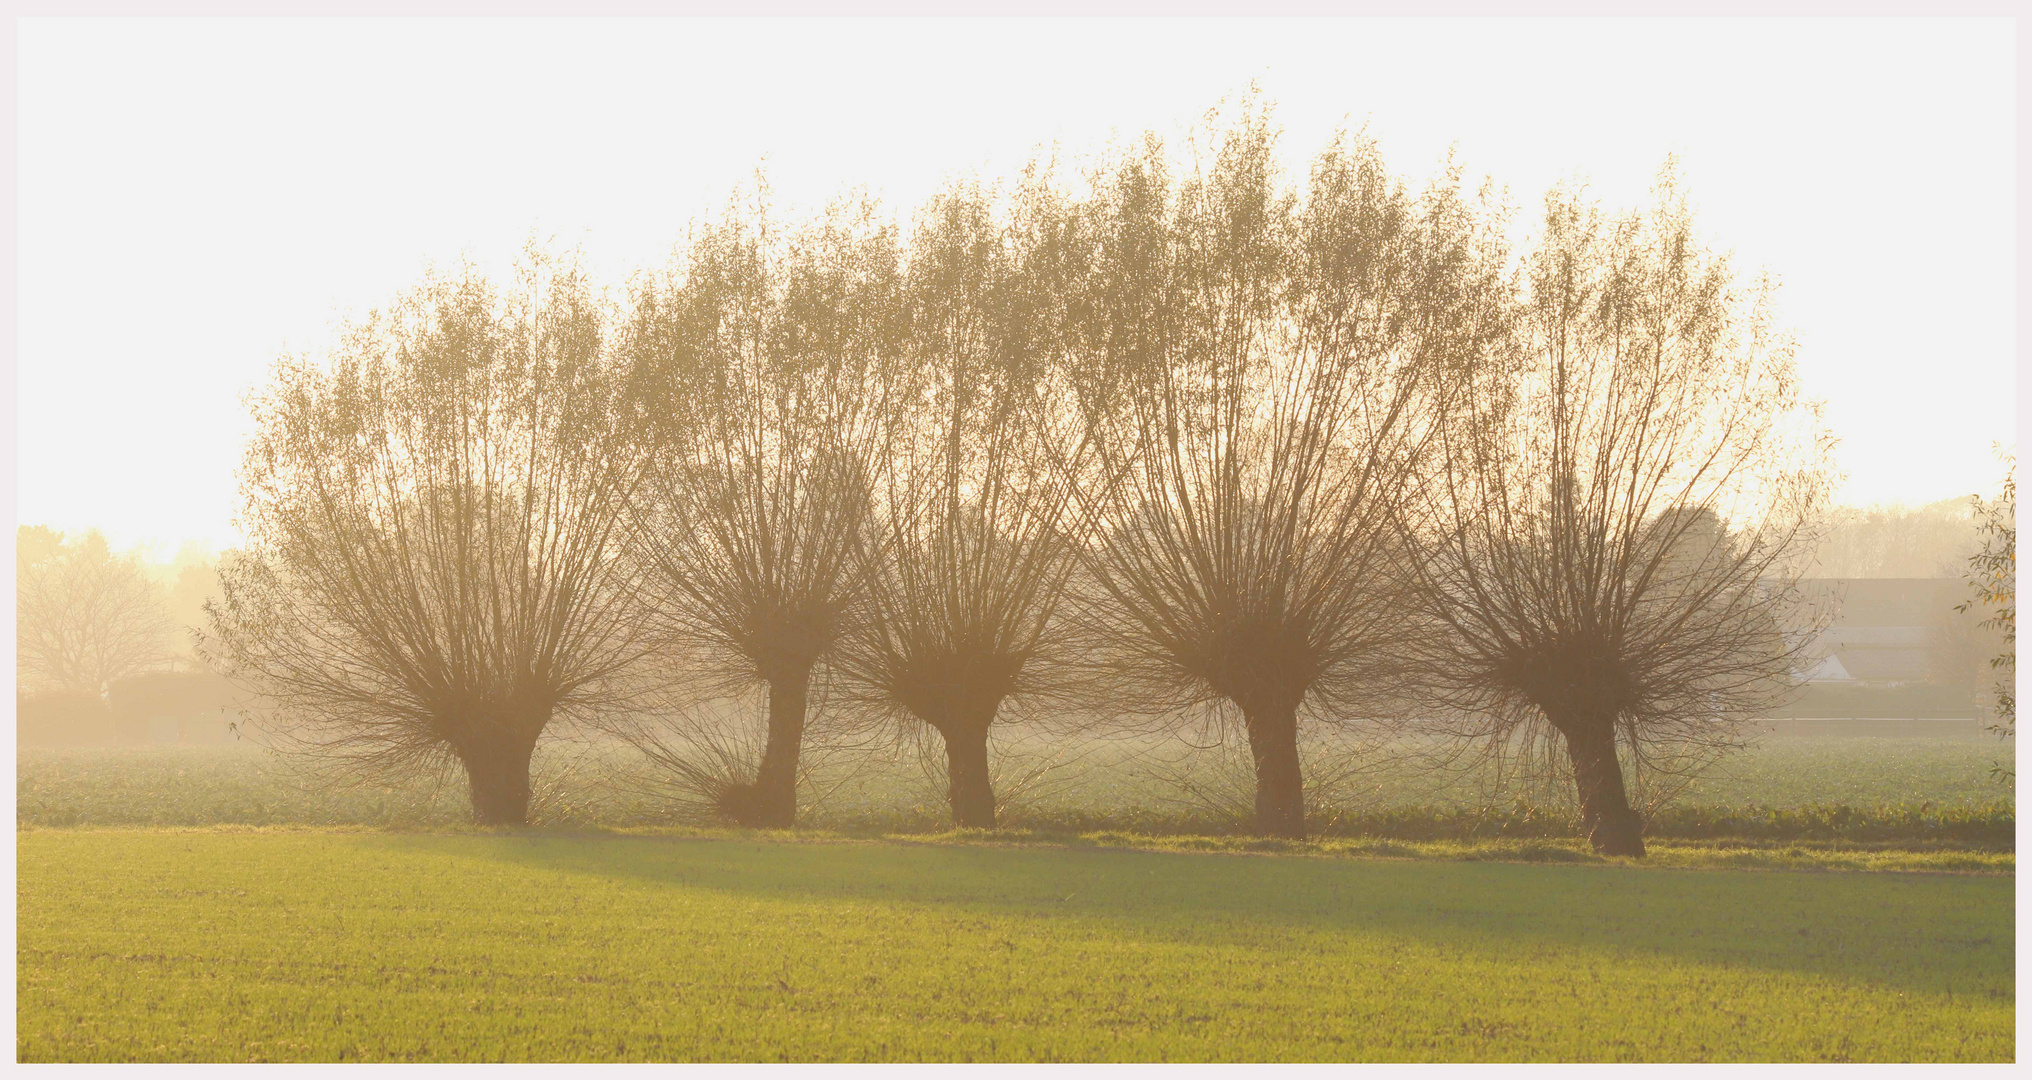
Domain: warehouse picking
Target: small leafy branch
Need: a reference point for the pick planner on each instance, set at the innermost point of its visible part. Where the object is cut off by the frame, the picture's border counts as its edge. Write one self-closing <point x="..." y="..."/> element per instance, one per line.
<point x="1993" y="577"/>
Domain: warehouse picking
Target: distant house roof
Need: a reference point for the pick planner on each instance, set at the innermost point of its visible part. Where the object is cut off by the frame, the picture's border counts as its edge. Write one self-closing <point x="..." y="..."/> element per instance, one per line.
<point x="1828" y="669"/>
<point x="1879" y="630"/>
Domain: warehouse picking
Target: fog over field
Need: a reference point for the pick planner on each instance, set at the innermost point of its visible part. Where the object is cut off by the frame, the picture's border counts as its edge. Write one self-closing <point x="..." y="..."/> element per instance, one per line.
<point x="1334" y="539"/>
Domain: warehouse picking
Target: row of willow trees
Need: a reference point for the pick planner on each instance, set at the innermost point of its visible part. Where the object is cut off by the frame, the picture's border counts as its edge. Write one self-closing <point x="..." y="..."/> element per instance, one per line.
<point x="1145" y="440"/>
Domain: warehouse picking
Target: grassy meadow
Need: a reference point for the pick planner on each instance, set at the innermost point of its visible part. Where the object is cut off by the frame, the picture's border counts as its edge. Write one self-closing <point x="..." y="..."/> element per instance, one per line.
<point x="327" y="946"/>
<point x="222" y="904"/>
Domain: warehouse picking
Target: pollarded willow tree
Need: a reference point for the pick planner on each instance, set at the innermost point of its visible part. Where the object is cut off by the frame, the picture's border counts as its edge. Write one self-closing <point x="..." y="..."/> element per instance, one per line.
<point x="978" y="518"/>
<point x="1261" y="365"/>
<point x="1607" y="544"/>
<point x="434" y="516"/>
<point x="756" y="364"/>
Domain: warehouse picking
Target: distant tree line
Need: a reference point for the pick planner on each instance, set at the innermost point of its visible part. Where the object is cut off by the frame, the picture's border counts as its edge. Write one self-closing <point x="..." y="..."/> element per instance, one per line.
<point x="1151" y="440"/>
<point x="1930" y="541"/>
<point x="103" y="640"/>
<point x="87" y="616"/>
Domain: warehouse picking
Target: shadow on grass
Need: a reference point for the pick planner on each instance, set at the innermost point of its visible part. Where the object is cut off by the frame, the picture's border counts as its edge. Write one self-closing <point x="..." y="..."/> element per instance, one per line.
<point x="1931" y="934"/>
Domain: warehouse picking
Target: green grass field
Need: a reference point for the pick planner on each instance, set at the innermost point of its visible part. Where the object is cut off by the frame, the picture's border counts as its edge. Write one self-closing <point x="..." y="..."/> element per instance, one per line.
<point x="219" y="904"/>
<point x="321" y="946"/>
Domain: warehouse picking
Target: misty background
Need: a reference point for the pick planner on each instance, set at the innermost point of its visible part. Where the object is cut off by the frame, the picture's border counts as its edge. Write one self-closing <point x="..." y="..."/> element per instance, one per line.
<point x="201" y="197"/>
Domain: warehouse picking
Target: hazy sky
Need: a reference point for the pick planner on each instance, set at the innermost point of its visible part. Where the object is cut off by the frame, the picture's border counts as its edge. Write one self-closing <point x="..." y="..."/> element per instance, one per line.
<point x="198" y="195"/>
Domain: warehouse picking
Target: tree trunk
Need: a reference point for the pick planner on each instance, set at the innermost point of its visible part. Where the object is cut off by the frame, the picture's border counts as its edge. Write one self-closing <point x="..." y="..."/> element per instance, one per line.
<point x="972" y="792"/>
<point x="773" y="803"/>
<point x="497" y="769"/>
<point x="1613" y="828"/>
<point x="1280" y="789"/>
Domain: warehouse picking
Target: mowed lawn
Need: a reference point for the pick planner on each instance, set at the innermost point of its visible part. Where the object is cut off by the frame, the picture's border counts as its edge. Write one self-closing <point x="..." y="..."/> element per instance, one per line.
<point x="319" y="946"/>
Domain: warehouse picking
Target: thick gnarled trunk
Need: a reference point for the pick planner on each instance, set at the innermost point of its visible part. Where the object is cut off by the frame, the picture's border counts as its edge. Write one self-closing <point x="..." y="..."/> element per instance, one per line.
<point x="771" y="803"/>
<point x="1280" y="785"/>
<point x="1612" y="826"/>
<point x="970" y="789"/>
<point x="497" y="770"/>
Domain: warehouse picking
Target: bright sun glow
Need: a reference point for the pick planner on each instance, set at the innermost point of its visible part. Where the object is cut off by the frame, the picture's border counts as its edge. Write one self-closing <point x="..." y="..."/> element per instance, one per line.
<point x="197" y="197"/>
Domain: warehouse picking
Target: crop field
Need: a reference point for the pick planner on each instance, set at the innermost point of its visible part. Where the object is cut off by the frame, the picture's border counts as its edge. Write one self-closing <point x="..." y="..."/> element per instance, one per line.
<point x="292" y="946"/>
<point x="222" y="904"/>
